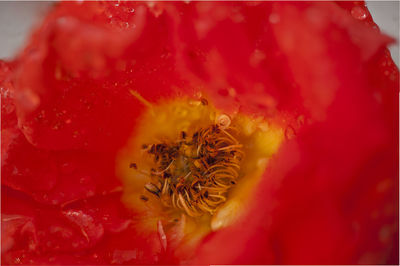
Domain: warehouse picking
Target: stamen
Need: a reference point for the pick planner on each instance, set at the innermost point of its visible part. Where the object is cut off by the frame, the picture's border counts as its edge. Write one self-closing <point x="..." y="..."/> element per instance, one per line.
<point x="231" y="147"/>
<point x="143" y="101"/>
<point x="195" y="173"/>
<point x="161" y="172"/>
<point x="152" y="189"/>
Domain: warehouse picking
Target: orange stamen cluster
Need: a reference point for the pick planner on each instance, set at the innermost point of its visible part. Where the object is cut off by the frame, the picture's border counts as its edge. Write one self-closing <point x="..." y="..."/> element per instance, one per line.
<point x="195" y="173"/>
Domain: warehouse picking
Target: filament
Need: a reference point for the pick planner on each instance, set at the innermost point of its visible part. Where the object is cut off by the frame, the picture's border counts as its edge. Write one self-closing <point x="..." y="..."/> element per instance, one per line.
<point x="195" y="173"/>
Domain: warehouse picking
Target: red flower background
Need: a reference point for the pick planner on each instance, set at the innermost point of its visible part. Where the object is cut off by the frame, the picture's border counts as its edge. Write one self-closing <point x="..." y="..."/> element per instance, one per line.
<point x="330" y="194"/>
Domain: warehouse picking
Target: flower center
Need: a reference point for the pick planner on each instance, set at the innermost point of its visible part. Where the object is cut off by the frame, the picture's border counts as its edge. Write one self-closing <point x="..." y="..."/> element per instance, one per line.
<point x="195" y="172"/>
<point x="192" y="166"/>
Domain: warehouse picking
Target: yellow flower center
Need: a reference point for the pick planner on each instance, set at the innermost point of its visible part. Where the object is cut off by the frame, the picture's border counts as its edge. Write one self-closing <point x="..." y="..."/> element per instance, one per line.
<point x="193" y="167"/>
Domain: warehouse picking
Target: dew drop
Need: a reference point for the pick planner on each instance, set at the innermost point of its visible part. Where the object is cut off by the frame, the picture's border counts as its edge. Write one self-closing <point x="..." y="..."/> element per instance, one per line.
<point x="290" y="132"/>
<point x="301" y="120"/>
<point x="359" y="12"/>
<point x="256" y="58"/>
<point x="67" y="168"/>
<point x="90" y="193"/>
<point x="274" y="18"/>
<point x="375" y="28"/>
<point x="232" y="92"/>
<point x="75" y="134"/>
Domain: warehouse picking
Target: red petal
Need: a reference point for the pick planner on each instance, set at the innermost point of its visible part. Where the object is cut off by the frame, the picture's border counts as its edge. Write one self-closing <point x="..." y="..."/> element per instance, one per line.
<point x="97" y="230"/>
<point x="64" y="103"/>
<point x="324" y="187"/>
<point x="332" y="191"/>
<point x="7" y="95"/>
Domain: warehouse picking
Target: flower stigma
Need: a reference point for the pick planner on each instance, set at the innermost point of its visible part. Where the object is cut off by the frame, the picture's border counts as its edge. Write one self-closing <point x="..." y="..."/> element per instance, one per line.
<point x="194" y="167"/>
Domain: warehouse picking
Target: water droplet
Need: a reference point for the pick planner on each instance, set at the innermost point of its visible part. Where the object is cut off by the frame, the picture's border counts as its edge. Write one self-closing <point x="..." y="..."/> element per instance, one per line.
<point x="56" y="126"/>
<point x="375" y="28"/>
<point x="67" y="168"/>
<point x="131" y="10"/>
<point x="232" y="92"/>
<point x="68" y="121"/>
<point x="274" y="18"/>
<point x="75" y="134"/>
<point x="290" y="132"/>
<point x="256" y="58"/>
<point x="359" y="12"/>
<point x="301" y="120"/>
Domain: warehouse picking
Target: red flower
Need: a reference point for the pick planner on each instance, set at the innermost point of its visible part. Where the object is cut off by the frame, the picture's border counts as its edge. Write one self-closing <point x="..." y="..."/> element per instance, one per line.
<point x="319" y="70"/>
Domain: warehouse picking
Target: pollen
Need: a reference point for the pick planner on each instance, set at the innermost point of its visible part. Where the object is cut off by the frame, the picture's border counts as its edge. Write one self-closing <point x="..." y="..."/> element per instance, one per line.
<point x="188" y="158"/>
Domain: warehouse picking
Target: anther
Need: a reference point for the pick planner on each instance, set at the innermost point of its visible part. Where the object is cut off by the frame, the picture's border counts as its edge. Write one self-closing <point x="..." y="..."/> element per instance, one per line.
<point x="144" y="198"/>
<point x="152" y="189"/>
<point x="204" y="101"/>
<point x="195" y="175"/>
